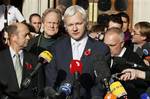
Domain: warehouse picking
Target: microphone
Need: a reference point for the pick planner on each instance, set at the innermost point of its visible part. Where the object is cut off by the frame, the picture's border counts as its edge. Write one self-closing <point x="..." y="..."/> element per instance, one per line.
<point x="65" y="89"/>
<point x="101" y="69"/>
<point x="44" y="58"/>
<point x="144" y="96"/>
<point x="123" y="61"/>
<point x="118" y="90"/>
<point x="146" y="51"/>
<point x="76" y="68"/>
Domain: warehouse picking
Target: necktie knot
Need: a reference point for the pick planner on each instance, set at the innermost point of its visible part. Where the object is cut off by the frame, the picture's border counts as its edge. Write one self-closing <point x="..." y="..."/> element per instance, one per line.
<point x="76" y="53"/>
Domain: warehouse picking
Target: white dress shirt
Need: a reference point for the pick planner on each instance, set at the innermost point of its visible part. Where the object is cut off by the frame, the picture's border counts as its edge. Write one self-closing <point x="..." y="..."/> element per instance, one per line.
<point x="13" y="15"/>
<point x="12" y="52"/>
<point x="77" y="52"/>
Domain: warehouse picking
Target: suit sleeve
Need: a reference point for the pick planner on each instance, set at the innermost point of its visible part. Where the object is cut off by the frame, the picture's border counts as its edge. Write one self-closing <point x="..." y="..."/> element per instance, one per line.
<point x="51" y="71"/>
<point x="147" y="75"/>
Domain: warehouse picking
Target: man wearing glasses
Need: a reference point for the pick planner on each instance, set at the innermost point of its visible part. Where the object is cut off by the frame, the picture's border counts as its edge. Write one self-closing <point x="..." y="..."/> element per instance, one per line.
<point x="114" y="38"/>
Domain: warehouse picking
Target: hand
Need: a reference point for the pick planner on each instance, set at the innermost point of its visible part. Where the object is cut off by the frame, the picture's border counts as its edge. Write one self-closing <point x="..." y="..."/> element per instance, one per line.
<point x="130" y="74"/>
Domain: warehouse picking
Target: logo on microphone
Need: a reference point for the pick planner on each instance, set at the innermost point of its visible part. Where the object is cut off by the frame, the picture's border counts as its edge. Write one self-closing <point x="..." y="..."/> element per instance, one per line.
<point x="46" y="55"/>
<point x="75" y="66"/>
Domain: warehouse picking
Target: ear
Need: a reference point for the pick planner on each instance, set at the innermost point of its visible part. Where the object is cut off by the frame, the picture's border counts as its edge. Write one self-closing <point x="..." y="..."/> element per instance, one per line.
<point x="14" y="37"/>
<point x="143" y="38"/>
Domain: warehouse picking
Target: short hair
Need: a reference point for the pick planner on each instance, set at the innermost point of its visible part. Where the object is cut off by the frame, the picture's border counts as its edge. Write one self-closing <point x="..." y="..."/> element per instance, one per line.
<point x="103" y="19"/>
<point x="98" y="28"/>
<point x="72" y="10"/>
<point x="144" y="29"/>
<point x="32" y="15"/>
<point x="116" y="19"/>
<point x="49" y="10"/>
<point x="11" y="29"/>
<point x="123" y="14"/>
<point x="116" y="31"/>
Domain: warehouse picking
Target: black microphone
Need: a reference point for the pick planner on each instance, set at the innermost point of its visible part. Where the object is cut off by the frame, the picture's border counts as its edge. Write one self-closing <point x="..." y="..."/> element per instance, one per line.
<point x="64" y="90"/>
<point x="44" y="57"/>
<point x="123" y="61"/>
<point x="101" y="68"/>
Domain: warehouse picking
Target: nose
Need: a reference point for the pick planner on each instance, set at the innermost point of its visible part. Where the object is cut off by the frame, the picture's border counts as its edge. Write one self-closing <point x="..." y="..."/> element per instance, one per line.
<point x="75" y="28"/>
<point x="52" y="25"/>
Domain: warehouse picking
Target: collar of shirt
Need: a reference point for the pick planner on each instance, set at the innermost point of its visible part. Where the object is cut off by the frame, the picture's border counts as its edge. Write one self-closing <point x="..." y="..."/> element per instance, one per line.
<point x="82" y="41"/>
<point x="82" y="45"/>
<point x="12" y="52"/>
<point x="122" y="52"/>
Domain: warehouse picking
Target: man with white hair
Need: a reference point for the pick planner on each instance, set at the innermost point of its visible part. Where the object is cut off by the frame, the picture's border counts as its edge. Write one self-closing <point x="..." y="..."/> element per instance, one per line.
<point x="65" y="50"/>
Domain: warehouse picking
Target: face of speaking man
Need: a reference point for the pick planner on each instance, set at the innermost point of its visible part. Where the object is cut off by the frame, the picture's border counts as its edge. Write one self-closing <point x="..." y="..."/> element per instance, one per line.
<point x="76" y="26"/>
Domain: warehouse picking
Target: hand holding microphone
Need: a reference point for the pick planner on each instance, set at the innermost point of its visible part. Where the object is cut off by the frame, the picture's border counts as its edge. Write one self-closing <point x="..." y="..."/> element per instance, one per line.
<point x="44" y="58"/>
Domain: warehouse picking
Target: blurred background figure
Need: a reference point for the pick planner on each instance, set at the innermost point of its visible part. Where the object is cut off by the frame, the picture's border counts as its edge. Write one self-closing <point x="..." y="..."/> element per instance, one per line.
<point x="51" y="20"/>
<point x="97" y="32"/>
<point x="62" y="9"/>
<point x="115" y="21"/>
<point x="103" y="19"/>
<point x="141" y="38"/>
<point x="36" y="21"/>
<point x="126" y="28"/>
<point x="9" y="14"/>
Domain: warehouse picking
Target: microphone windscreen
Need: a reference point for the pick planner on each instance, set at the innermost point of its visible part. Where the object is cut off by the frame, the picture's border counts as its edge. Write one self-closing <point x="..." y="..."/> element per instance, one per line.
<point x="46" y="55"/>
<point x="144" y="96"/>
<point x="65" y="88"/>
<point x="146" y="51"/>
<point x="75" y="66"/>
<point x="117" y="89"/>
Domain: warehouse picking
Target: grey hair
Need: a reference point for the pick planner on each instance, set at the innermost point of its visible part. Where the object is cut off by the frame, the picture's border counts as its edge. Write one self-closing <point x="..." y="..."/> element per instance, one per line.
<point x="49" y="10"/>
<point x="72" y="10"/>
<point x="116" y="31"/>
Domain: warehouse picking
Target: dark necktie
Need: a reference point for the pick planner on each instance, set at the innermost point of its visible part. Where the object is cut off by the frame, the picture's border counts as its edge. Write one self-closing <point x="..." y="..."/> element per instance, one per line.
<point x="5" y="16"/>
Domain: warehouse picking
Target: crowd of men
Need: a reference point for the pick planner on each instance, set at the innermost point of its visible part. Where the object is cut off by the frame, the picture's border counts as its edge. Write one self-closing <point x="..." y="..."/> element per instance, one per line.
<point x="108" y="48"/>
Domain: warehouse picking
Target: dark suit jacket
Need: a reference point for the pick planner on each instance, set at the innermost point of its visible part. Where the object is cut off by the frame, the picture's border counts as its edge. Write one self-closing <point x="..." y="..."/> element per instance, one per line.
<point x="58" y="70"/>
<point x="8" y="76"/>
<point x="135" y="87"/>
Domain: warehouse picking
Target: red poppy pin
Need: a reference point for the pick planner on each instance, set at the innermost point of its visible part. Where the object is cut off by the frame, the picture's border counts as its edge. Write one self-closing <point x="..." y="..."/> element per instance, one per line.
<point x="87" y="52"/>
<point x="28" y="66"/>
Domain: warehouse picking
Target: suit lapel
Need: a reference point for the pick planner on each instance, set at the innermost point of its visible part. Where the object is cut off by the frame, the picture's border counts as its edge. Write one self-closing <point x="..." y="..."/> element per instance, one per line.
<point x="68" y="53"/>
<point x="26" y="66"/>
<point x="85" y="58"/>
<point x="13" y="79"/>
